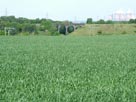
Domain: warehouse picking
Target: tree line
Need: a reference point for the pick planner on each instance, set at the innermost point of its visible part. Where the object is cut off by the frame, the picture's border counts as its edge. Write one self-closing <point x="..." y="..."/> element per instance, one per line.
<point x="101" y="21"/>
<point x="33" y="26"/>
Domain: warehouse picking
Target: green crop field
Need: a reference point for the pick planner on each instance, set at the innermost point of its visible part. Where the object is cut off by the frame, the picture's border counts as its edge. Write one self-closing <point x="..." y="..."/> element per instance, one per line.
<point x="68" y="68"/>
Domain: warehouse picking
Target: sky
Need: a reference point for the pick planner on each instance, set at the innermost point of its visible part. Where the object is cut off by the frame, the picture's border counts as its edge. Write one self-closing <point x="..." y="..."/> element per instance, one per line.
<point x="73" y="10"/>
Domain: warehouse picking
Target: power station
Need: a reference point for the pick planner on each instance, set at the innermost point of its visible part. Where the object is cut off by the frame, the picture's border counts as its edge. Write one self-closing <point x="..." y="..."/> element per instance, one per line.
<point x="122" y="15"/>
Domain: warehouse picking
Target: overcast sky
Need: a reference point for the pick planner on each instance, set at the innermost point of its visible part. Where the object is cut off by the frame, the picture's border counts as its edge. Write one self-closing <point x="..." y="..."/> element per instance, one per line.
<point x="64" y="9"/>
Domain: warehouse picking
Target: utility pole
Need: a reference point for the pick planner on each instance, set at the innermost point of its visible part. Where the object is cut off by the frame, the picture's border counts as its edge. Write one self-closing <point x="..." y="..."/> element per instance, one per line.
<point x="47" y="15"/>
<point x="75" y="19"/>
<point x="6" y="12"/>
<point x="98" y="18"/>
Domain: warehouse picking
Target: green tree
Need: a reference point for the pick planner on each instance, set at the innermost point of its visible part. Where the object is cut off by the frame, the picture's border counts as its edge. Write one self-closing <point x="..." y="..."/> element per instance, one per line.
<point x="132" y="21"/>
<point x="46" y="25"/>
<point x="109" y="22"/>
<point x="29" y="28"/>
<point x="101" y="21"/>
<point x="62" y="29"/>
<point x="70" y="29"/>
<point x="89" y="21"/>
<point x="135" y="20"/>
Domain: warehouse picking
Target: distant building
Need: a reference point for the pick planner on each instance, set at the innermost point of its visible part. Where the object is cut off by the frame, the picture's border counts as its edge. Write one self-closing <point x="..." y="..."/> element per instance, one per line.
<point x="121" y="15"/>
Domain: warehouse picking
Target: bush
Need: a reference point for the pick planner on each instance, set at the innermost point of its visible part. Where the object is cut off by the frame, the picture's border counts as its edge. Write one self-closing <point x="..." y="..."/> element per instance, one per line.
<point x="124" y="32"/>
<point x="25" y="33"/>
<point x="2" y="32"/>
<point x="134" y="26"/>
<point x="52" y="33"/>
<point x="99" y="32"/>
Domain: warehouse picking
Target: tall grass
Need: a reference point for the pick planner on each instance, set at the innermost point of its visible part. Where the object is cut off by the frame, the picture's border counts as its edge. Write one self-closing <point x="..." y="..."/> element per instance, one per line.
<point x="106" y="29"/>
